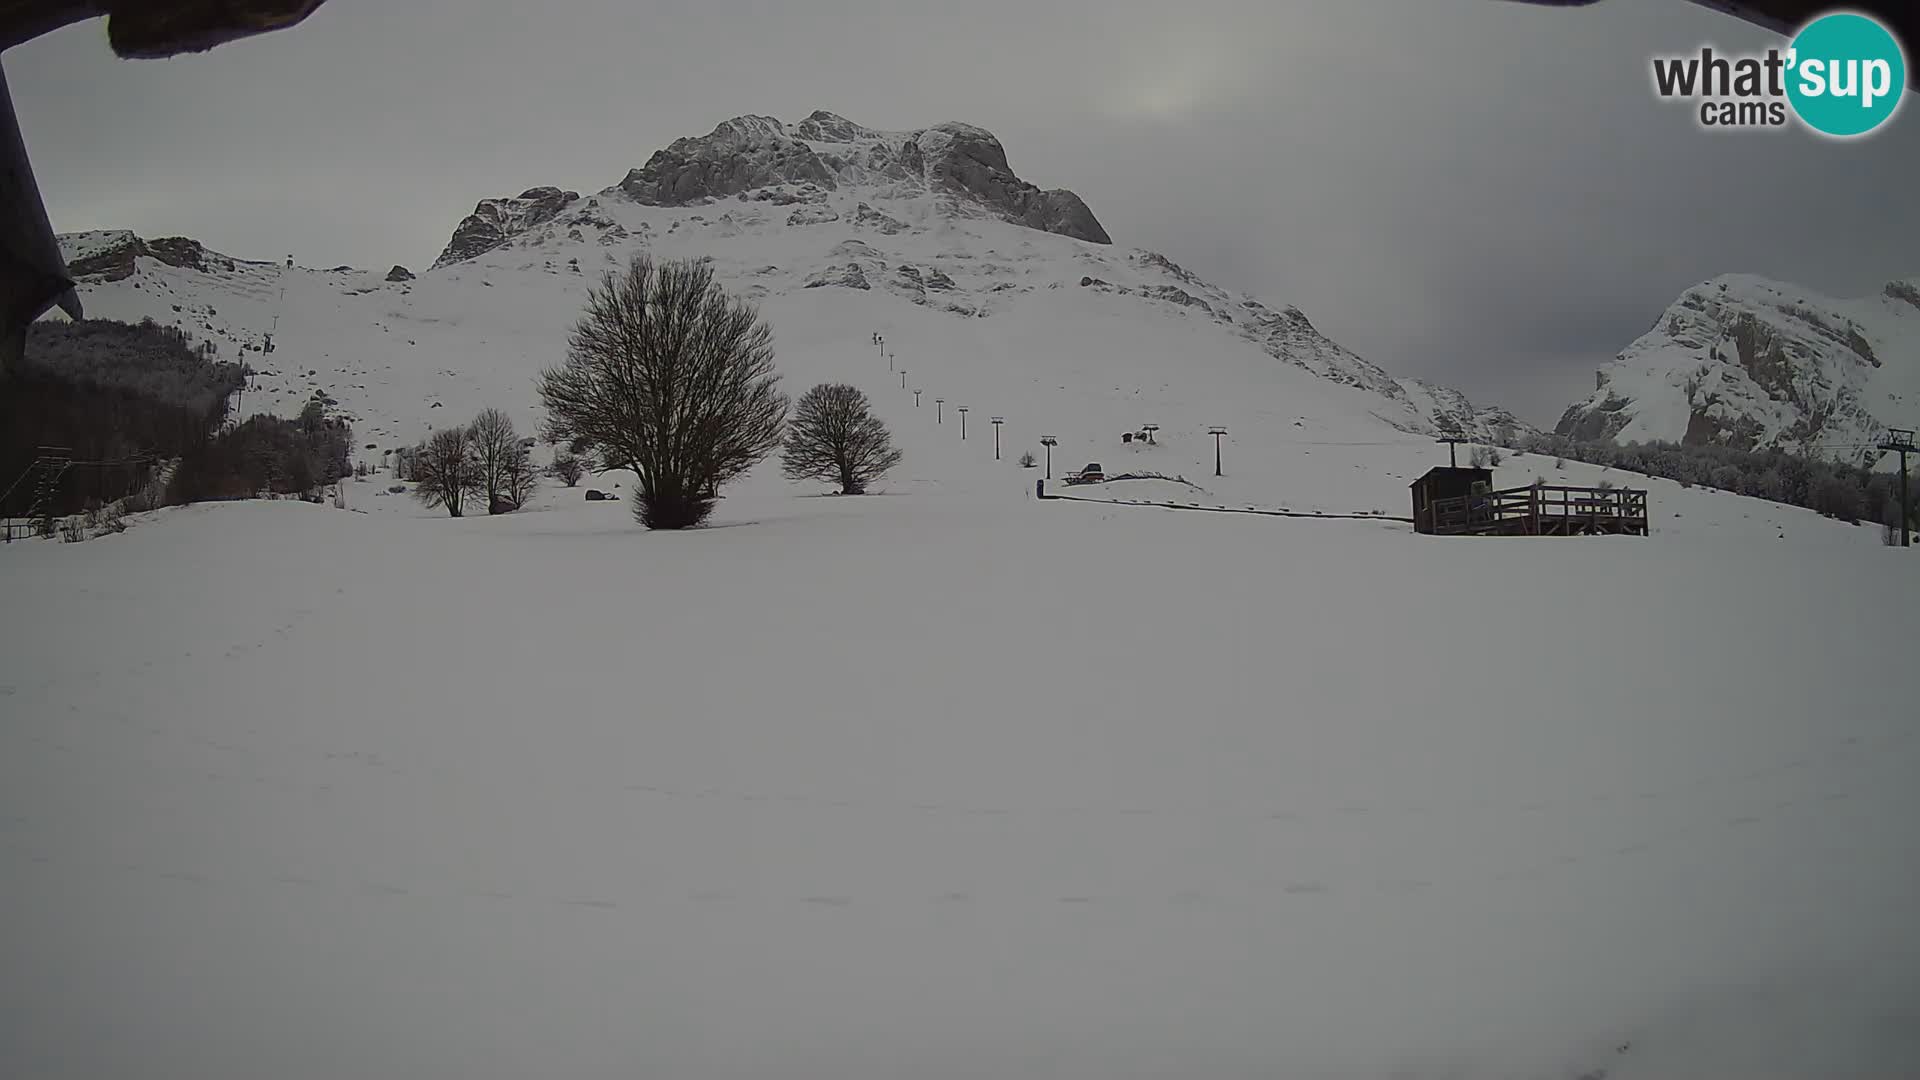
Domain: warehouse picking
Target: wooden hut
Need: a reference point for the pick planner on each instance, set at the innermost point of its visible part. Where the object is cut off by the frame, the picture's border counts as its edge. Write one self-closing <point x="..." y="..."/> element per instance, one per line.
<point x="1444" y="483"/>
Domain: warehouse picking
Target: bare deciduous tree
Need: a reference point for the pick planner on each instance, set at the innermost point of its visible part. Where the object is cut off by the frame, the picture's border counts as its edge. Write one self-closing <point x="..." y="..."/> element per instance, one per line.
<point x="445" y="472"/>
<point x="669" y="376"/>
<point x="501" y="459"/>
<point x="518" y="478"/>
<point x="835" y="436"/>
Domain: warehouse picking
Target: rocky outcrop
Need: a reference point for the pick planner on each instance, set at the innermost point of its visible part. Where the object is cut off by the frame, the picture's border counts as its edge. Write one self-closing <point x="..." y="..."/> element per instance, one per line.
<point x="495" y="221"/>
<point x="849" y="276"/>
<point x="742" y="154"/>
<point x="187" y="254"/>
<point x="399" y="273"/>
<point x="968" y="160"/>
<point x="866" y="217"/>
<point x="112" y="256"/>
<point x="812" y="215"/>
<point x="112" y="260"/>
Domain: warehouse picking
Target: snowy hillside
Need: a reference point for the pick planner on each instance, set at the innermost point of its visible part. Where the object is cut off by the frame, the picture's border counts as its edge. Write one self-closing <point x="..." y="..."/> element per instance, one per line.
<point x="984" y="286"/>
<point x="1748" y="362"/>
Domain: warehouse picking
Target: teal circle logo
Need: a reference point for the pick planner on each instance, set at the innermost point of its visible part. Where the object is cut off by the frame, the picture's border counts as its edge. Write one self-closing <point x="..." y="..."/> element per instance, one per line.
<point x="1846" y="74"/>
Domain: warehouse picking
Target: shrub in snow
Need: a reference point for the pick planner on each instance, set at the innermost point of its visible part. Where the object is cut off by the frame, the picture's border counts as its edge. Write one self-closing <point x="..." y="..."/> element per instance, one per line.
<point x="397" y="489"/>
<point x="567" y="469"/>
<point x="1027" y="460"/>
<point x="445" y="472"/>
<point x="835" y="437"/>
<point x="668" y="375"/>
<point x="74" y="529"/>
<point x="1479" y="457"/>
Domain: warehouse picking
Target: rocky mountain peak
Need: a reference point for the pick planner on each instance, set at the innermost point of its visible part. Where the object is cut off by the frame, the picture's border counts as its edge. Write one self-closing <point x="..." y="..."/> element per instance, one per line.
<point x="749" y="153"/>
<point x="1744" y="361"/>
<point x="823" y="126"/>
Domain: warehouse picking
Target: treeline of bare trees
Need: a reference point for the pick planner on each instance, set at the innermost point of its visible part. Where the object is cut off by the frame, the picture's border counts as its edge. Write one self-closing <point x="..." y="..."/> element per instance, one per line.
<point x="268" y="454"/>
<point x="484" y="463"/>
<point x="1847" y="492"/>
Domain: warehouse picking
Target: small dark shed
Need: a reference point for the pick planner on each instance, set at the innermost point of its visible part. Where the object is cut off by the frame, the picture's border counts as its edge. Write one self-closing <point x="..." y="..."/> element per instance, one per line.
<point x="1443" y="483"/>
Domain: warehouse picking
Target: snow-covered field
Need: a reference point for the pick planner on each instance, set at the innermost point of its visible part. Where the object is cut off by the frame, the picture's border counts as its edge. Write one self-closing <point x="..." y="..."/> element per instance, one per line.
<point x="947" y="781"/>
<point x="951" y="784"/>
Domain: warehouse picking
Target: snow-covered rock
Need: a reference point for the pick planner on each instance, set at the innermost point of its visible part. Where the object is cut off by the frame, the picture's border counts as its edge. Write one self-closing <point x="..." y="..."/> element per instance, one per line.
<point x="1745" y="361"/>
<point x="751" y="153"/>
<point x="493" y="221"/>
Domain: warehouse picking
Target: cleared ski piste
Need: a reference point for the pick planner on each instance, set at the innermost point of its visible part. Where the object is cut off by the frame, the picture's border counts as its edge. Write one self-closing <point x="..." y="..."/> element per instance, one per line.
<point x="954" y="783"/>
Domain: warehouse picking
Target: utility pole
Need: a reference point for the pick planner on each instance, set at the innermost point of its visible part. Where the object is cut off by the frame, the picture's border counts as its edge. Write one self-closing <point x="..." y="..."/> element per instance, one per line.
<point x="1452" y="441"/>
<point x="1049" y="442"/>
<point x="997" y="421"/>
<point x="939" y="410"/>
<point x="916" y="399"/>
<point x="963" y="423"/>
<point x="1900" y="441"/>
<point x="1150" y="429"/>
<point x="903" y="378"/>
<point x="1216" y="432"/>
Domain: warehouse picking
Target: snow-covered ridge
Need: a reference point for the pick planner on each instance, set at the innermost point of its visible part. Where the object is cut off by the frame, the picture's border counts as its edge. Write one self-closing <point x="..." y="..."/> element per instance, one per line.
<point x="875" y="238"/>
<point x="1746" y="361"/>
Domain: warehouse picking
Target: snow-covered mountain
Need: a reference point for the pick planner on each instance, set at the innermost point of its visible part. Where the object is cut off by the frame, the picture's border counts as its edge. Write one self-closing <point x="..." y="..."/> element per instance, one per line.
<point x="838" y="231"/>
<point x="1744" y="361"/>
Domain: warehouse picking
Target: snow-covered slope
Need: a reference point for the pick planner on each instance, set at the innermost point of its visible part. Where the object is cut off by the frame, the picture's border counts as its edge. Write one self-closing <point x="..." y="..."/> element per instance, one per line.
<point x="985" y="287"/>
<point x="1744" y="361"/>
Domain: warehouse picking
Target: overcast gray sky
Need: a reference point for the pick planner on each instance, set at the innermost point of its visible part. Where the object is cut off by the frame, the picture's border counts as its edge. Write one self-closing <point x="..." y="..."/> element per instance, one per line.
<point x="1470" y="191"/>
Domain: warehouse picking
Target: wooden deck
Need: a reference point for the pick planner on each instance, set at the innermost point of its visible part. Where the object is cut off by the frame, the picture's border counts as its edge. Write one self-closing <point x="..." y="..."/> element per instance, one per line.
<point x="1543" y="511"/>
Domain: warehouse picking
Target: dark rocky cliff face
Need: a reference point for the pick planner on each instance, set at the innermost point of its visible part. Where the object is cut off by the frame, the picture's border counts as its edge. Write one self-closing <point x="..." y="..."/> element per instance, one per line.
<point x="117" y="262"/>
<point x="493" y="221"/>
